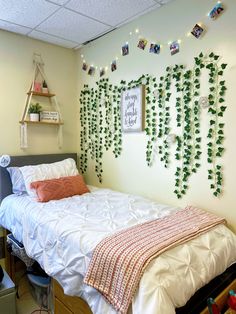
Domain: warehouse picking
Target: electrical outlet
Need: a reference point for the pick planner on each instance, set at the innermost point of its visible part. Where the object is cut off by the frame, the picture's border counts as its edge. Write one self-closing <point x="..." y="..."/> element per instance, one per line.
<point x="2" y="247"/>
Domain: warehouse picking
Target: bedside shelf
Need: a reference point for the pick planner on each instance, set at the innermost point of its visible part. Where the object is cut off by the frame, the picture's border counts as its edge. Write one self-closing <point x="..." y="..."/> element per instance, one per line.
<point x="40" y="94"/>
<point x="41" y="122"/>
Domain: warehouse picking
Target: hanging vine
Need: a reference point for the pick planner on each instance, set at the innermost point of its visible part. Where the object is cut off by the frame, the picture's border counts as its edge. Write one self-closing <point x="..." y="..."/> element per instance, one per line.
<point x="216" y="131"/>
<point x="100" y="118"/>
<point x="85" y="127"/>
<point x="164" y="115"/>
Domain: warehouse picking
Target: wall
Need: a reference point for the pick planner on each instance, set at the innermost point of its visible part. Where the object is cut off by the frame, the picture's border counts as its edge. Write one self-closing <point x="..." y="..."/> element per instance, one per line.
<point x="16" y="64"/>
<point x="129" y="172"/>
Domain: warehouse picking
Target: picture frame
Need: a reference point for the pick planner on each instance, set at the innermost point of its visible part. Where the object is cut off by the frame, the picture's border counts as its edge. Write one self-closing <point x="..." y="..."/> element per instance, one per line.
<point x="133" y="109"/>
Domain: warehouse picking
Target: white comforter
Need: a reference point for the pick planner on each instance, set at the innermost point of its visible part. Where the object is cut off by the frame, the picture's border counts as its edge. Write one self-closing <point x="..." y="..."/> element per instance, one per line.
<point x="61" y="236"/>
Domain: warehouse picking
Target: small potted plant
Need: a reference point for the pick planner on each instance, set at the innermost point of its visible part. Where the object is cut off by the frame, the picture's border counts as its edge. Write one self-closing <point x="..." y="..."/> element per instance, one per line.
<point x="45" y="87"/>
<point x="34" y="111"/>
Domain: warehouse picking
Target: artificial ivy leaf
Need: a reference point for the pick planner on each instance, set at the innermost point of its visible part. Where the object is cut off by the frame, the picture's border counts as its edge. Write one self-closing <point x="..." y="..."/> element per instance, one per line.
<point x="223" y="66"/>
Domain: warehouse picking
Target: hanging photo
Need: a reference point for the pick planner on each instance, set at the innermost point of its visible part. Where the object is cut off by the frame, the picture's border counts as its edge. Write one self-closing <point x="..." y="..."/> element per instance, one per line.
<point x="142" y="43"/>
<point x="84" y="66"/>
<point x="113" y="66"/>
<point x="154" y="48"/>
<point x="102" y="72"/>
<point x="91" y="71"/>
<point x="216" y="11"/>
<point x="133" y="109"/>
<point x="197" y="31"/>
<point x="125" y="50"/>
<point x="174" y="47"/>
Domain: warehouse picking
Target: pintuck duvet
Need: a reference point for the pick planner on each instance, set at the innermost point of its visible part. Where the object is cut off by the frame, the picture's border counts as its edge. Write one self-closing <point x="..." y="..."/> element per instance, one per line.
<point x="62" y="235"/>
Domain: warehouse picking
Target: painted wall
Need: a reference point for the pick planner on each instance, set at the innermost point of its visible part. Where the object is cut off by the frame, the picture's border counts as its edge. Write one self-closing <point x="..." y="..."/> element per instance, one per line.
<point x="130" y="173"/>
<point x="16" y="74"/>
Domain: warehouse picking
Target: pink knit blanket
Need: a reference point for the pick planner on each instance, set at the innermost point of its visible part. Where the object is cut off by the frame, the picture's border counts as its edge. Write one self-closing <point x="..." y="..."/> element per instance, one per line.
<point x="119" y="260"/>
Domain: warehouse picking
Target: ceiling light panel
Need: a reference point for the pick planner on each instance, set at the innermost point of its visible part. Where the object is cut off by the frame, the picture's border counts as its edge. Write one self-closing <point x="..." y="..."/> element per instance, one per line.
<point x="111" y="12"/>
<point x="14" y="28"/>
<point x="52" y="39"/>
<point x="26" y="13"/>
<point x="72" y="26"/>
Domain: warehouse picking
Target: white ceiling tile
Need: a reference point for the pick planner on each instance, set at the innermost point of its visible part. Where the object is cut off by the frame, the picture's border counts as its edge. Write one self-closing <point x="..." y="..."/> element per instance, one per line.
<point x="112" y="12"/>
<point x="14" y="28"/>
<point x="52" y="39"/>
<point x="59" y="2"/>
<point x="72" y="26"/>
<point x="26" y="12"/>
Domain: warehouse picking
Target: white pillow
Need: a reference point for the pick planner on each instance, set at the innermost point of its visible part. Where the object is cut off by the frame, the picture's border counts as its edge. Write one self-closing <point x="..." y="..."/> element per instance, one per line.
<point x="41" y="172"/>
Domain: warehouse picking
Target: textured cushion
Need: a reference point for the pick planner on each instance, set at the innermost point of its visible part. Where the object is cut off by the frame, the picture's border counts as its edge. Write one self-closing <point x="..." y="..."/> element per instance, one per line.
<point x="64" y="168"/>
<point x="56" y="189"/>
<point x="17" y="180"/>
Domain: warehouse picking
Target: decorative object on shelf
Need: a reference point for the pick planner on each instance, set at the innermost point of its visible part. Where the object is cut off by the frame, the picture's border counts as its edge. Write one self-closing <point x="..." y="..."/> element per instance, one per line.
<point x="45" y="87"/>
<point x="5" y="161"/>
<point x="101" y="128"/>
<point x="132" y="109"/>
<point x="37" y="87"/>
<point x="49" y="116"/>
<point x="34" y="111"/>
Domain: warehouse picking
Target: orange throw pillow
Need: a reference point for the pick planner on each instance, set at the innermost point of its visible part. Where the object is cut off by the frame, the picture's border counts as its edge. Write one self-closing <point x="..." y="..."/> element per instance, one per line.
<point x="56" y="189"/>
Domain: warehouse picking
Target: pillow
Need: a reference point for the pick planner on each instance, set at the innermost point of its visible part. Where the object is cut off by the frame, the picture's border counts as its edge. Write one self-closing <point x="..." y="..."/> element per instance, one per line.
<point x="17" y="180"/>
<point x="56" y="189"/>
<point x="64" y="168"/>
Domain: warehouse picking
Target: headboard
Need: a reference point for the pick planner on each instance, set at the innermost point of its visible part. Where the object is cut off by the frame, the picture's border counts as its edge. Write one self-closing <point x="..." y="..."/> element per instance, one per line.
<point x="19" y="161"/>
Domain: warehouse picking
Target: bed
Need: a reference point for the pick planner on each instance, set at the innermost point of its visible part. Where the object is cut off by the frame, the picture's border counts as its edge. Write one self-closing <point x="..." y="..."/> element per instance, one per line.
<point x="61" y="235"/>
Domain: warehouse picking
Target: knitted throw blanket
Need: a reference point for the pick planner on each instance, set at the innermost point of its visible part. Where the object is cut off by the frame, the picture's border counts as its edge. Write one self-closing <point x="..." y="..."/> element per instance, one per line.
<point x="119" y="260"/>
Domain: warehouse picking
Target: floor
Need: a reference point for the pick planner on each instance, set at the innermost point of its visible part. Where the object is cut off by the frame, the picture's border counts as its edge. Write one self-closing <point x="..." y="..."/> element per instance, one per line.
<point x="26" y="304"/>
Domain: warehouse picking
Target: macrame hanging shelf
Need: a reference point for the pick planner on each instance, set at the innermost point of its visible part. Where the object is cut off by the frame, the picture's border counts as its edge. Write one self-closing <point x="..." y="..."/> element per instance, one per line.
<point x="39" y="89"/>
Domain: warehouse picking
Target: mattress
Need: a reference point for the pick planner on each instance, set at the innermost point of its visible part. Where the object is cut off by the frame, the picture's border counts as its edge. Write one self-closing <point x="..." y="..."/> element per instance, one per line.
<point x="61" y="236"/>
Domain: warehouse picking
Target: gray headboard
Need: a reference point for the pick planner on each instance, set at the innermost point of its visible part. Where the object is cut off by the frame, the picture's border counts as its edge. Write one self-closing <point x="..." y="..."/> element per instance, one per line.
<point x="19" y="161"/>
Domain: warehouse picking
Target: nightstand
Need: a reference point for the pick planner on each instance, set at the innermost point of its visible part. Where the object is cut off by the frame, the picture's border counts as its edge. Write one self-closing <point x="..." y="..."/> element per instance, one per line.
<point x="7" y="295"/>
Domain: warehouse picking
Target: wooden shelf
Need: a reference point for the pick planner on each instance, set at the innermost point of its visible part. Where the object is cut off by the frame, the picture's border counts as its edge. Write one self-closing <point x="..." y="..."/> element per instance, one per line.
<point x="41" y="122"/>
<point x="41" y="94"/>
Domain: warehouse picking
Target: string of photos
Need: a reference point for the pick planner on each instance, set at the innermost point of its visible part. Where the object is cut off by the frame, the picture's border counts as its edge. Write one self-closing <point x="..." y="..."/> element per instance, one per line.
<point x="154" y="47"/>
<point x="102" y="121"/>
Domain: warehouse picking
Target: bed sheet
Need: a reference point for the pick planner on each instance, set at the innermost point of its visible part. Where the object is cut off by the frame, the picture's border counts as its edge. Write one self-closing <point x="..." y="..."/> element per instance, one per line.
<point x="61" y="236"/>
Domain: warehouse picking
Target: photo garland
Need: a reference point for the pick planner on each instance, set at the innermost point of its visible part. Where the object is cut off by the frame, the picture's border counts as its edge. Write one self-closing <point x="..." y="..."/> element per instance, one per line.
<point x="100" y="117"/>
<point x="198" y="30"/>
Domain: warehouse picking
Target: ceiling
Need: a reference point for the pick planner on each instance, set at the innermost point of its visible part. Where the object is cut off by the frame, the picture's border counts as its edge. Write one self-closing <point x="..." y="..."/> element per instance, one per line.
<point x="70" y="23"/>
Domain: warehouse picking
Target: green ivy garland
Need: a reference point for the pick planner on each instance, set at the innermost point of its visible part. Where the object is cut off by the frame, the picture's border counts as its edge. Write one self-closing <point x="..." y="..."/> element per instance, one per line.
<point x="100" y="118"/>
<point x="164" y="115"/>
<point x="216" y="131"/>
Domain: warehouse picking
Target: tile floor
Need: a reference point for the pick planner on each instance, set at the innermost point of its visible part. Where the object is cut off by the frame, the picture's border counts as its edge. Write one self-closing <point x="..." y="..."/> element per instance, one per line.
<point x="26" y="304"/>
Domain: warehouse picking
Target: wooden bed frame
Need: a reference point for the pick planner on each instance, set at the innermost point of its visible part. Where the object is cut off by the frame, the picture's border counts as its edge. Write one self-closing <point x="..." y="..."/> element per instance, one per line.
<point x="64" y="304"/>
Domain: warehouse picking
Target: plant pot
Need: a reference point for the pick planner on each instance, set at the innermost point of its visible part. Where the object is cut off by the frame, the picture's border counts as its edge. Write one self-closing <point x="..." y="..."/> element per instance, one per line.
<point x="34" y="117"/>
<point x="45" y="90"/>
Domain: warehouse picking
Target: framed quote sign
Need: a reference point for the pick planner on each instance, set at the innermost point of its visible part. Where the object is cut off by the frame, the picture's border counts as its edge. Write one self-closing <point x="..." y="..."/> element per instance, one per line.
<point x="133" y="109"/>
